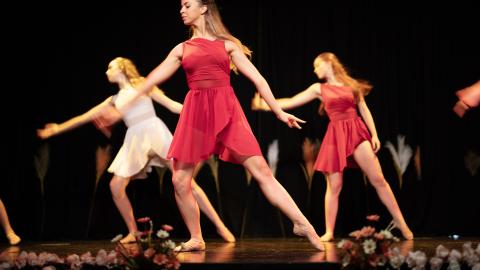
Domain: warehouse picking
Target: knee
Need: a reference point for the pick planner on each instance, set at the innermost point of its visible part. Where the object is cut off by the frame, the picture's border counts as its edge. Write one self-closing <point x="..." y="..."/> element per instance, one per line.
<point x="262" y="172"/>
<point x="116" y="187"/>
<point x="181" y="184"/>
<point x="378" y="181"/>
<point x="335" y="188"/>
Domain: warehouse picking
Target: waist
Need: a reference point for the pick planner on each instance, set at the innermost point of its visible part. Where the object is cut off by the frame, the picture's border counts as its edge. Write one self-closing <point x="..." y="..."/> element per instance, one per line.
<point x="341" y="116"/>
<point x="134" y="120"/>
<point x="206" y="84"/>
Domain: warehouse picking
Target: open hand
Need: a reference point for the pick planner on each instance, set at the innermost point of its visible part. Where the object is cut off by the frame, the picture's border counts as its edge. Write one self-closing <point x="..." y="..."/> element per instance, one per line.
<point x="291" y="120"/>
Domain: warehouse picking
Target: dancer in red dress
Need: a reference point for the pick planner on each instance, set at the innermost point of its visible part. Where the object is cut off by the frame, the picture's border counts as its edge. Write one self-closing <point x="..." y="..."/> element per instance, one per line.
<point x="146" y="143"/>
<point x="212" y="121"/>
<point x="347" y="142"/>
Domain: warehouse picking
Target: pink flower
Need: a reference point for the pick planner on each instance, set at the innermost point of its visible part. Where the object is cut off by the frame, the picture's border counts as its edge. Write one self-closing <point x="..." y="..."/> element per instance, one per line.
<point x="167" y="228"/>
<point x="143" y="220"/>
<point x="149" y="253"/>
<point x="373" y="217"/>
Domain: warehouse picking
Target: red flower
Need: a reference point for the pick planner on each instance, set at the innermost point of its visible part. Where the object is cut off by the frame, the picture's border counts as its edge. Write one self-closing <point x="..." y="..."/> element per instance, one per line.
<point x="167" y="228"/>
<point x="143" y="220"/>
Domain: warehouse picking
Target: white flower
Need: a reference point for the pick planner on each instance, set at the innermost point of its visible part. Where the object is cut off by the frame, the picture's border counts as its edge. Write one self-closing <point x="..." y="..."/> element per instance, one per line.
<point x="369" y="246"/>
<point x="455" y="255"/>
<point x="5" y="265"/>
<point x="169" y="244"/>
<point x="454" y="265"/>
<point x="396" y="258"/>
<point x="101" y="258"/>
<point x="441" y="251"/>
<point x="387" y="234"/>
<point x="117" y="238"/>
<point x="476" y="266"/>
<point x="162" y="234"/>
<point x="417" y="259"/>
<point x="272" y="156"/>
<point x="436" y="263"/>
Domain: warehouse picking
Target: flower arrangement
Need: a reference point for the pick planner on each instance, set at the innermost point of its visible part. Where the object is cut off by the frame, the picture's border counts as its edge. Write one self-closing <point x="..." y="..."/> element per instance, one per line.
<point x="143" y="254"/>
<point x="373" y="250"/>
<point x="147" y="254"/>
<point x="369" y="249"/>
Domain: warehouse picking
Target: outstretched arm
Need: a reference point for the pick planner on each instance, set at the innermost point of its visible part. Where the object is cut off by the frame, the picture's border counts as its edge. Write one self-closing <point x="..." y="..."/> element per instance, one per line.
<point x="307" y="95"/>
<point x="52" y="129"/>
<point x="250" y="71"/>
<point x="367" y="117"/>
<point x="160" y="74"/>
<point x="160" y="97"/>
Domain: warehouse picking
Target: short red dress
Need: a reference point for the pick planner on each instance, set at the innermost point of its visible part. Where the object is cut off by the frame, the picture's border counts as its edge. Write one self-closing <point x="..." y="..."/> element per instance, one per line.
<point x="345" y="131"/>
<point x="212" y="120"/>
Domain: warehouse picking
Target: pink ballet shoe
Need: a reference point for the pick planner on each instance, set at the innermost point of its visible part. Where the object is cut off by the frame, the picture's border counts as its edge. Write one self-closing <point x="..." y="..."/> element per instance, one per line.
<point x="13" y="238"/>
<point x="130" y="238"/>
<point x="226" y="235"/>
<point x="191" y="245"/>
<point x="406" y="232"/>
<point x="309" y="232"/>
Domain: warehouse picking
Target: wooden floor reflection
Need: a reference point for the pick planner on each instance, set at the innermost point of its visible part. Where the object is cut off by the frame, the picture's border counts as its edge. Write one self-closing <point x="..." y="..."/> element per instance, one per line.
<point x="245" y="251"/>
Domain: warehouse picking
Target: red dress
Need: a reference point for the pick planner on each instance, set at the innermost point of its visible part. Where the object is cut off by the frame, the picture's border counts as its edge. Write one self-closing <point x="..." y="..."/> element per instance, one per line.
<point x="211" y="121"/>
<point x="345" y="131"/>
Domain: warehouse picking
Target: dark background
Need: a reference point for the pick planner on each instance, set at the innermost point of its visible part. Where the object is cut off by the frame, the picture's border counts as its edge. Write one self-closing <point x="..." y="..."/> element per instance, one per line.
<point x="415" y="57"/>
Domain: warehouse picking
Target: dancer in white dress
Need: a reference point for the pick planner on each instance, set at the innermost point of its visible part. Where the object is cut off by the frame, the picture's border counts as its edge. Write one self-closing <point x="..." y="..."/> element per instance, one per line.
<point x="146" y="142"/>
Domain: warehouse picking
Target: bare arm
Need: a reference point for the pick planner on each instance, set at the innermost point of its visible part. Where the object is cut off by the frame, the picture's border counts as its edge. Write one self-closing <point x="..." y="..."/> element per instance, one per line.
<point x="307" y="95"/>
<point x="367" y="117"/>
<point x="250" y="71"/>
<point x="157" y="76"/>
<point x="161" y="98"/>
<point x="52" y="129"/>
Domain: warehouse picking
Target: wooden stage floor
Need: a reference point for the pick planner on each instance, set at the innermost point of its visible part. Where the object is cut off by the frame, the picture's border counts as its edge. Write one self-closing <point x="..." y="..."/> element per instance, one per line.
<point x="251" y="253"/>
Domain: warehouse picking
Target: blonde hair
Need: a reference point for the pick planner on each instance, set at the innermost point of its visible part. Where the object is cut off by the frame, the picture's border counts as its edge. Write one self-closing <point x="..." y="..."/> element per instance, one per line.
<point x="360" y="88"/>
<point x="215" y="26"/>
<point x="129" y="69"/>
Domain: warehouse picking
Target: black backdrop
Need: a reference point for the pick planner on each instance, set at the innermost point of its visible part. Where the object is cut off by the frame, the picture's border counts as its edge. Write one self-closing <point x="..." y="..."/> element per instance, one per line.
<point x="415" y="57"/>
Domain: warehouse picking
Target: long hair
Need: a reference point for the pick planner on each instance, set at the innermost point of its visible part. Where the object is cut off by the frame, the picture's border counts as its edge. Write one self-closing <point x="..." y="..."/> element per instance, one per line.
<point x="360" y="87"/>
<point x="130" y="70"/>
<point x="215" y="26"/>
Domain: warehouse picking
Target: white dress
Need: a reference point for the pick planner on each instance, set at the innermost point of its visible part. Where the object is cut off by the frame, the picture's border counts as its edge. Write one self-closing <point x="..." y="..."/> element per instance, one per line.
<point x="147" y="139"/>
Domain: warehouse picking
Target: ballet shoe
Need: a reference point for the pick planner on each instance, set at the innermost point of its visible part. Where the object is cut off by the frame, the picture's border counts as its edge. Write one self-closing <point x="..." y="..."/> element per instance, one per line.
<point x="130" y="238"/>
<point x="13" y="238"/>
<point x="309" y="232"/>
<point x="327" y="237"/>
<point x="226" y="235"/>
<point x="406" y="232"/>
<point x="190" y="245"/>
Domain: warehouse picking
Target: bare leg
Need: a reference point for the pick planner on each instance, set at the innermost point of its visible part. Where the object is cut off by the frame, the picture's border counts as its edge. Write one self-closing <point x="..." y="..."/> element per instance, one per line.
<point x="182" y="181"/>
<point x="117" y="186"/>
<point x="207" y="208"/>
<point x="368" y="162"/>
<point x="13" y="238"/>
<point x="279" y="197"/>
<point x="334" y="186"/>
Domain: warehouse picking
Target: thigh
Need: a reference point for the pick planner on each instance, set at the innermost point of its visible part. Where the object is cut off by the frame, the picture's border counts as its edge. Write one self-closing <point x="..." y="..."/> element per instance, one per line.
<point x="367" y="160"/>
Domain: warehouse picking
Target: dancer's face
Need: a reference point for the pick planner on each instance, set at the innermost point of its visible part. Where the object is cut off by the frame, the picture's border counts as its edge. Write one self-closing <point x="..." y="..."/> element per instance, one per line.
<point x="113" y="72"/>
<point x="191" y="11"/>
<point x="321" y="68"/>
